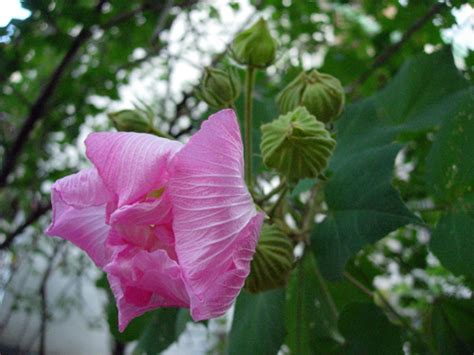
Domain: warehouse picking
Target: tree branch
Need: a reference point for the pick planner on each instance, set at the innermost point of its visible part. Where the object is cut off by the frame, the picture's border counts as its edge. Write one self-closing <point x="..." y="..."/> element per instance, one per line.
<point x="32" y="218"/>
<point x="43" y="295"/>
<point x="391" y="50"/>
<point x="38" y="109"/>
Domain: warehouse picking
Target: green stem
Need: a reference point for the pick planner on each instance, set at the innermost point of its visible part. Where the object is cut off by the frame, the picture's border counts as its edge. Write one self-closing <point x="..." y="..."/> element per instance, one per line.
<point x="273" y="192"/>
<point x="358" y="284"/>
<point x="327" y="294"/>
<point x="249" y="84"/>
<point x="272" y="211"/>
<point x="299" y="309"/>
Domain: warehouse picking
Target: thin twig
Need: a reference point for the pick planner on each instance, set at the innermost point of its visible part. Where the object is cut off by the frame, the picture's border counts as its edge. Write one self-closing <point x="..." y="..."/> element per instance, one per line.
<point x="326" y="292"/>
<point x="358" y="284"/>
<point x="43" y="295"/>
<point x="272" y="193"/>
<point x="32" y="218"/>
<point x="38" y="109"/>
<point x="161" y="23"/>
<point x="391" y="50"/>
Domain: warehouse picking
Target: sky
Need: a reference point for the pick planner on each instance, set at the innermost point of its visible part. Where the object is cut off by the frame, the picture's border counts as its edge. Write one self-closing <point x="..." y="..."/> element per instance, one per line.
<point x="11" y="9"/>
<point x="461" y="35"/>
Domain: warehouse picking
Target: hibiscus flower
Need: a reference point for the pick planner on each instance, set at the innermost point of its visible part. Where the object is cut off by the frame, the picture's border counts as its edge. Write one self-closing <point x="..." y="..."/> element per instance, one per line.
<point x="172" y="225"/>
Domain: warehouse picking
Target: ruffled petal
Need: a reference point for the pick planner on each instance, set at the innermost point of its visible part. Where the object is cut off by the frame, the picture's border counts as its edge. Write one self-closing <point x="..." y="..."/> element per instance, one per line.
<point x="215" y="222"/>
<point x="142" y="281"/>
<point x="79" y="212"/>
<point x="130" y="164"/>
<point x="83" y="189"/>
<point x="156" y="211"/>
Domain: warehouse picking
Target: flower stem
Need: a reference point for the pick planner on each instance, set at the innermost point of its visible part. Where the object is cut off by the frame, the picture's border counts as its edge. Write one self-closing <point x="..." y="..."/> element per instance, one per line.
<point x="249" y="84"/>
<point x="273" y="192"/>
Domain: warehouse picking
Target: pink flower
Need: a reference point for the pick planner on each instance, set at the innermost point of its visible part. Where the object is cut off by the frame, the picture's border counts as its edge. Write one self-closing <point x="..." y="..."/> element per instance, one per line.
<point x="172" y="225"/>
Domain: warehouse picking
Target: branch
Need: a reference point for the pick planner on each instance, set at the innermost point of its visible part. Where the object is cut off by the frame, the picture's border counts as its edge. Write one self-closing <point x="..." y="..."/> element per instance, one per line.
<point x="391" y="50"/>
<point x="181" y="106"/>
<point x="44" y="305"/>
<point x="161" y="23"/>
<point x="38" y="109"/>
<point x="32" y="218"/>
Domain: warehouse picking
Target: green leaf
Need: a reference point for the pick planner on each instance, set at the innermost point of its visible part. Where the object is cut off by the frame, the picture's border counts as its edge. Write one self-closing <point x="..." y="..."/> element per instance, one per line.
<point x="363" y="206"/>
<point x="311" y="323"/>
<point x="258" y="326"/>
<point x="184" y="317"/>
<point x="450" y="171"/>
<point x="453" y="242"/>
<point x="452" y="326"/>
<point x="134" y="328"/>
<point x="367" y="331"/>
<point x="303" y="185"/>
<point x="159" y="333"/>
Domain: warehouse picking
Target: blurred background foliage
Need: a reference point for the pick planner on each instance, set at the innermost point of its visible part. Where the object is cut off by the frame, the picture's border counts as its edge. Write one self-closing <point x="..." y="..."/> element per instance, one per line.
<point x="390" y="268"/>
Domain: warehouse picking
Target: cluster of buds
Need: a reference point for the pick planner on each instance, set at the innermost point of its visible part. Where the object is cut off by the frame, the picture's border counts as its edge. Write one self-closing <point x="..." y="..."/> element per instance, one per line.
<point x="297" y="144"/>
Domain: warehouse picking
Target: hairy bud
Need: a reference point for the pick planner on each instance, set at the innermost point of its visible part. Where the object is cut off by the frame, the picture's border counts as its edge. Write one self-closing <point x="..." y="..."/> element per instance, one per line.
<point x="297" y="145"/>
<point x="219" y="88"/>
<point x="272" y="262"/>
<point x="255" y="46"/>
<point x="321" y="94"/>
<point x="131" y="121"/>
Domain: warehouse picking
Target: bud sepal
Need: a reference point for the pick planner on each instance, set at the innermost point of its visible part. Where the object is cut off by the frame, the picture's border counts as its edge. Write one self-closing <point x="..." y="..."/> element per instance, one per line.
<point x="255" y="46"/>
<point x="321" y="94"/>
<point x="297" y="145"/>
<point x="219" y="88"/>
<point x="272" y="262"/>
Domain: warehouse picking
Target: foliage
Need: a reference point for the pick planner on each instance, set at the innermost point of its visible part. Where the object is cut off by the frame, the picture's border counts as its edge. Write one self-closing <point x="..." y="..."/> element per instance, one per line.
<point x="383" y="237"/>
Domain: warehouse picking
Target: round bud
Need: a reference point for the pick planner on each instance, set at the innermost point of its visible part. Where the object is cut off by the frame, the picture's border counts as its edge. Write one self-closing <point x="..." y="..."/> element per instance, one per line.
<point x="255" y="46"/>
<point x="297" y="145"/>
<point x="321" y="94"/>
<point x="272" y="262"/>
<point x="219" y="88"/>
<point x="131" y="121"/>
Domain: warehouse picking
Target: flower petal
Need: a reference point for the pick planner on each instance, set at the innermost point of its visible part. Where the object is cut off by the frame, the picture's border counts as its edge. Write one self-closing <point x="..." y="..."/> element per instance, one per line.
<point x="156" y="211"/>
<point x="130" y="164"/>
<point x="215" y="222"/>
<point x="142" y="281"/>
<point x="79" y="213"/>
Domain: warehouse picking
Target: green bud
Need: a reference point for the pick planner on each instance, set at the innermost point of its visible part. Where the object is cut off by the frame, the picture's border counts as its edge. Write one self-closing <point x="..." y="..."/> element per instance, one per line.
<point x="131" y="121"/>
<point x="297" y="145"/>
<point x="219" y="88"/>
<point x="321" y="94"/>
<point x="255" y="46"/>
<point x="272" y="262"/>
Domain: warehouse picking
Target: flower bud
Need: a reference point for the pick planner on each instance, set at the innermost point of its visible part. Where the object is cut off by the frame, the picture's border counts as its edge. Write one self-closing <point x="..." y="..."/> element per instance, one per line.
<point x="255" y="46"/>
<point x="297" y="145"/>
<point x="219" y="88"/>
<point x="272" y="262"/>
<point x="131" y="121"/>
<point x="321" y="94"/>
